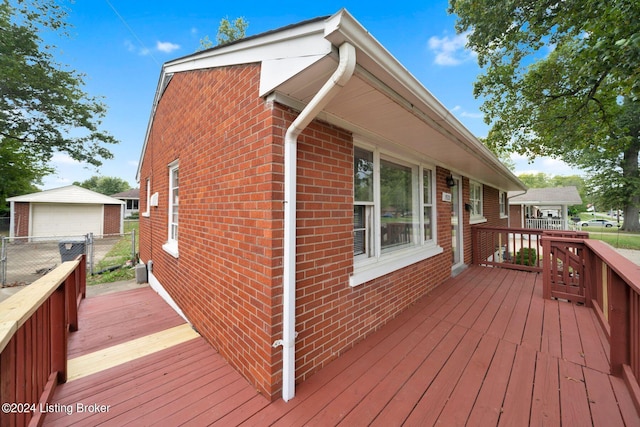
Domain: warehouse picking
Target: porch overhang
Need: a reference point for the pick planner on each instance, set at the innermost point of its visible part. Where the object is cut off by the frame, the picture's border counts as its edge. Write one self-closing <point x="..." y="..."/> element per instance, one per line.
<point x="383" y="102"/>
<point x="389" y="107"/>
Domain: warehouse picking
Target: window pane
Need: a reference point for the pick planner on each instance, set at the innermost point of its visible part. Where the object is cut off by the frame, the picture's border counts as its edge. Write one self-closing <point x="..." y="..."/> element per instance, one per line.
<point x="363" y="175"/>
<point x="175" y="177"/>
<point x="426" y="186"/>
<point x="428" y="228"/>
<point x="359" y="230"/>
<point x="396" y="204"/>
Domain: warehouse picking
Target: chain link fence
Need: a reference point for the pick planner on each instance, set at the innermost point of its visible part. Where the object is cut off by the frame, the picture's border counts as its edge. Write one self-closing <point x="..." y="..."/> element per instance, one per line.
<point x="23" y="260"/>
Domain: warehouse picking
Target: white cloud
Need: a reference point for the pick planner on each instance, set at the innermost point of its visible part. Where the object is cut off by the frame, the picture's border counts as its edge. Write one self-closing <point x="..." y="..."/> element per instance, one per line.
<point x="471" y="115"/>
<point x="167" y="47"/>
<point x="451" y="51"/>
<point x="517" y="156"/>
<point x="63" y="159"/>
<point x="130" y="46"/>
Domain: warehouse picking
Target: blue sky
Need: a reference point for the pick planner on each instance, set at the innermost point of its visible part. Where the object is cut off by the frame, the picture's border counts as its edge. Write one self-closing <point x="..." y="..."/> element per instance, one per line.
<point x="120" y="45"/>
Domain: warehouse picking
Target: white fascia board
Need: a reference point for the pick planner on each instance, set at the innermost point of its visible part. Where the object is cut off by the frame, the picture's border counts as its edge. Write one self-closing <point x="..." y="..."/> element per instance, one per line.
<point x="282" y="54"/>
<point x="300" y="41"/>
<point x="280" y="59"/>
<point x="343" y="27"/>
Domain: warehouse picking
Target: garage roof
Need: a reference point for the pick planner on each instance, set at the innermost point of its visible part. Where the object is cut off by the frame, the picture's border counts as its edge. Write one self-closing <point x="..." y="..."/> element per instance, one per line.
<point x="547" y="196"/>
<point x="68" y="194"/>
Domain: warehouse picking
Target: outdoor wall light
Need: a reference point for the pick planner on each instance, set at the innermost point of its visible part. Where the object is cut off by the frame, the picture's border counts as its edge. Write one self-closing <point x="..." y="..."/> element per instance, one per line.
<point x="450" y="181"/>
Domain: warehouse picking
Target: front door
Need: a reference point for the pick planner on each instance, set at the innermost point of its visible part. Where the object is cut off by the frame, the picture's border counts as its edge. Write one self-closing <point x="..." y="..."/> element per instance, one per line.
<point x="457" y="259"/>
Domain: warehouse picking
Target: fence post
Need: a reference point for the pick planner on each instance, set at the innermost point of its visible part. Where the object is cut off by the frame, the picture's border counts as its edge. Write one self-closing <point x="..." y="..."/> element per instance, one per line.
<point x="619" y="342"/>
<point x="3" y="261"/>
<point x="547" y="265"/>
<point x="89" y="250"/>
<point x="133" y="247"/>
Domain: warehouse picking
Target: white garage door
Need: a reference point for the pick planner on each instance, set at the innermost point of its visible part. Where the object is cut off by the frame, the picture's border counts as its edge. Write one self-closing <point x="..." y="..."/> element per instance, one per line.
<point x="65" y="219"/>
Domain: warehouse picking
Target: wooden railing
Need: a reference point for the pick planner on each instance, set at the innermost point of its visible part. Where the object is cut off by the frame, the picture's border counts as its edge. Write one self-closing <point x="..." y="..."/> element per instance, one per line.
<point x="516" y="248"/>
<point x="580" y="270"/>
<point x="592" y="272"/>
<point x="34" y="326"/>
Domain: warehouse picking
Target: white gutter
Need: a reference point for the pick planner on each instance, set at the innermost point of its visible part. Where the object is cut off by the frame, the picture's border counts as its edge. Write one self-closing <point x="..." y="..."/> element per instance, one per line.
<point x="339" y="78"/>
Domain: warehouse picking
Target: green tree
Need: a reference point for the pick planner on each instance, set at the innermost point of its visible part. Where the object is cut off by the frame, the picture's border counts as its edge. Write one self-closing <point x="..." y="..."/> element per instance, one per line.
<point x="105" y="185"/>
<point x="558" y="79"/>
<point x="543" y="180"/>
<point x="18" y="173"/>
<point x="41" y="104"/>
<point x="227" y="32"/>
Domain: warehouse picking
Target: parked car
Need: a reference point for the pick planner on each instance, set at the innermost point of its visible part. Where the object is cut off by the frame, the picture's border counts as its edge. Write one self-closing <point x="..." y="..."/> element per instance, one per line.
<point x="598" y="223"/>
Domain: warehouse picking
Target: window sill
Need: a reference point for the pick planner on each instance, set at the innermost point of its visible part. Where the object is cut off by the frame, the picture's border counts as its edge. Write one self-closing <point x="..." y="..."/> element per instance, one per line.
<point x="477" y="220"/>
<point x="390" y="263"/>
<point x="171" y="248"/>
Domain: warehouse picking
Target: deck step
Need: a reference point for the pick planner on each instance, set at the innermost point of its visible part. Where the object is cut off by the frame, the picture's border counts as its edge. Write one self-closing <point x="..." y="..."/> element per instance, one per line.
<point x="118" y="354"/>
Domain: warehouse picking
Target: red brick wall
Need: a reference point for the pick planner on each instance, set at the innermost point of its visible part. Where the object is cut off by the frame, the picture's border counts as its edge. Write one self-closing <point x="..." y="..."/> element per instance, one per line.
<point x="21" y="219"/>
<point x="112" y="216"/>
<point x="331" y="316"/>
<point x="228" y="276"/>
<point x="491" y="207"/>
<point x="490" y="210"/>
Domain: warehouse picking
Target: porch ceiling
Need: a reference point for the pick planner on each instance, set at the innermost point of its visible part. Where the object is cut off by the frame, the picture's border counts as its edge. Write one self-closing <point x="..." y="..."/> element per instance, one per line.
<point x="373" y="104"/>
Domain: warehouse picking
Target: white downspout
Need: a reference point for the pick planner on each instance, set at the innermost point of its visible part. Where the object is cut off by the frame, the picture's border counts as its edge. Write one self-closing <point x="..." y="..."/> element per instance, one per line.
<point x="339" y="78"/>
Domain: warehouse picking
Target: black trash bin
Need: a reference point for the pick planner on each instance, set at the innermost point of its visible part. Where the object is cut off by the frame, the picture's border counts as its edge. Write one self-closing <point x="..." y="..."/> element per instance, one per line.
<point x="70" y="249"/>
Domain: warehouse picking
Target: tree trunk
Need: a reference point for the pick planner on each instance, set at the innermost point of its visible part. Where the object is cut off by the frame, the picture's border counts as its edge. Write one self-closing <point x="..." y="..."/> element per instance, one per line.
<point x="630" y="172"/>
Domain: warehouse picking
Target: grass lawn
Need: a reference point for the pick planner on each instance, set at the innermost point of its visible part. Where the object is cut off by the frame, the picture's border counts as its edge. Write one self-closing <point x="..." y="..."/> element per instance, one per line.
<point x="118" y="255"/>
<point x="617" y="240"/>
<point x="611" y="235"/>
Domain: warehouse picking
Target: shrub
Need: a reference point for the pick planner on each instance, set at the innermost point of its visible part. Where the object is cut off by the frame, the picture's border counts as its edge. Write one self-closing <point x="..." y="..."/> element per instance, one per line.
<point x="527" y="256"/>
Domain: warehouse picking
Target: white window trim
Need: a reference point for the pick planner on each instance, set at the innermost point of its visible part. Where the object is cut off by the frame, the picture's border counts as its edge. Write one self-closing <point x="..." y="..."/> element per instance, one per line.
<point x="147" y="212"/>
<point x="380" y="264"/>
<point x="477" y="218"/>
<point x="171" y="245"/>
<point x="504" y="214"/>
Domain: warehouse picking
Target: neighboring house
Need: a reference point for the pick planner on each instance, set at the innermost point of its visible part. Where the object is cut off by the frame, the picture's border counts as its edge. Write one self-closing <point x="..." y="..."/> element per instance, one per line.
<point x="546" y="208"/>
<point x="65" y="211"/>
<point x="132" y="200"/>
<point x="299" y="189"/>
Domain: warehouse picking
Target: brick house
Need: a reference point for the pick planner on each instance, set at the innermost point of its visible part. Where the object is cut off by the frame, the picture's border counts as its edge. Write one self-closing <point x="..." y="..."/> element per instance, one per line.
<point x="299" y="189"/>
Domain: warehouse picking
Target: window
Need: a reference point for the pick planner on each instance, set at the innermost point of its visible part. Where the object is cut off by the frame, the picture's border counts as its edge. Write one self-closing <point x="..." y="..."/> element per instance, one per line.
<point x="397" y="199"/>
<point x="503" y="205"/>
<point x="393" y="214"/>
<point x="475" y="199"/>
<point x="427" y="205"/>
<point x="363" y="203"/>
<point x="147" y="211"/>
<point x="132" y="204"/>
<point x="172" y="241"/>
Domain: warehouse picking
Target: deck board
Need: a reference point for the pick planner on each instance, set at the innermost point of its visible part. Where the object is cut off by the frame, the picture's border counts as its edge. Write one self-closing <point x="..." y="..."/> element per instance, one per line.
<point x="571" y="345"/>
<point x="483" y="349"/>
<point x="545" y="407"/>
<point x="516" y="408"/>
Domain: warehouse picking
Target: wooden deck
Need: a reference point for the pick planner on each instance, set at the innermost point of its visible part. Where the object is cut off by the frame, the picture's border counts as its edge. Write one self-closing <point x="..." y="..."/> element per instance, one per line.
<point x="484" y="349"/>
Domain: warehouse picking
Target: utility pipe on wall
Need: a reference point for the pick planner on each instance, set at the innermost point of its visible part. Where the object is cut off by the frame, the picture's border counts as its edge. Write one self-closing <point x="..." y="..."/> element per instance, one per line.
<point x="338" y="79"/>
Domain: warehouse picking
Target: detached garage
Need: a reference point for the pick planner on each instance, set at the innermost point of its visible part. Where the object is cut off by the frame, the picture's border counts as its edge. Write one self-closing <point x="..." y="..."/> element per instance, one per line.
<point x="65" y="211"/>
